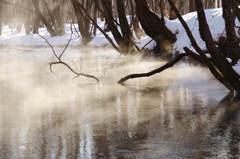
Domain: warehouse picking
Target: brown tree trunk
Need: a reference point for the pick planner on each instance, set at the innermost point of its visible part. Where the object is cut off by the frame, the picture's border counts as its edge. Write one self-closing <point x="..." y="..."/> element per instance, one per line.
<point x="43" y="19"/>
<point x="53" y="10"/>
<point x="135" y="22"/>
<point x="123" y="39"/>
<point x="154" y="28"/>
<point x="95" y="20"/>
<point x="27" y="18"/>
<point x="218" y="59"/>
<point x="36" y="21"/>
<point x="107" y="9"/>
<point x="125" y="28"/>
<point x="192" y="6"/>
<point x="172" y="14"/>
<point x="229" y="15"/>
<point x="86" y="37"/>
<point x="59" y="16"/>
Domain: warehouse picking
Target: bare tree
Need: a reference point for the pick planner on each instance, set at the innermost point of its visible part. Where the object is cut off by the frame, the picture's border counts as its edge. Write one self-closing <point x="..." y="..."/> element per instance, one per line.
<point x="36" y="19"/>
<point x="123" y="38"/>
<point x="82" y="20"/>
<point x="217" y="64"/>
<point x="27" y="18"/>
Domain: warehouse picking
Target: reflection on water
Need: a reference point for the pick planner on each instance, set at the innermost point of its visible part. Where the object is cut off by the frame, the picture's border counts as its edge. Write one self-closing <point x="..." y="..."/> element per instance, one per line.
<point x="176" y="114"/>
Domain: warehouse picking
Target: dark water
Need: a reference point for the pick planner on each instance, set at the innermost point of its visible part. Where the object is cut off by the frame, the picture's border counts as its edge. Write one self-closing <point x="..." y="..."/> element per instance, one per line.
<point x="180" y="113"/>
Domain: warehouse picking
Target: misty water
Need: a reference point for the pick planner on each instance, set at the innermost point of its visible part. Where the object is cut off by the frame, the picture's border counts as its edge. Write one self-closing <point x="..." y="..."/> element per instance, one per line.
<point x="182" y="112"/>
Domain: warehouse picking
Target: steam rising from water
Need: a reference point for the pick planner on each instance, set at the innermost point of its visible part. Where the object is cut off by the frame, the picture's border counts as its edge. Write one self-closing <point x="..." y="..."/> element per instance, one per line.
<point x="168" y="115"/>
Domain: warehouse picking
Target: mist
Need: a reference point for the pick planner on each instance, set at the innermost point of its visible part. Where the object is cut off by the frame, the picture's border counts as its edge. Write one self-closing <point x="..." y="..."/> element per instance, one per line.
<point x="47" y="116"/>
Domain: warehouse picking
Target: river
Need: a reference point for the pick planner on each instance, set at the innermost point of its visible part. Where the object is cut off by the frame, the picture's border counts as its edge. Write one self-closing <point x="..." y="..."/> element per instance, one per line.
<point x="182" y="112"/>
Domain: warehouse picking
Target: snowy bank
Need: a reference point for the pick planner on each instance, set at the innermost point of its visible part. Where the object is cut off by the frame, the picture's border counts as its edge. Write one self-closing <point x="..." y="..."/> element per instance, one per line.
<point x="214" y="19"/>
<point x="10" y="37"/>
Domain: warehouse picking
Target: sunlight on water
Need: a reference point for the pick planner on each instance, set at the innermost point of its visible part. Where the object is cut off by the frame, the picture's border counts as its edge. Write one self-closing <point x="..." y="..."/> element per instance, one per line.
<point x="180" y="113"/>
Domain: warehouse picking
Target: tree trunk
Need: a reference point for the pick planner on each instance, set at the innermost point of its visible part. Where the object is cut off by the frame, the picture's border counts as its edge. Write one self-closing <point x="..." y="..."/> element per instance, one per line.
<point x="154" y="28"/>
<point x="43" y="19"/>
<point x="125" y="28"/>
<point x="135" y="22"/>
<point x="86" y="37"/>
<point x="192" y="6"/>
<point x="124" y="40"/>
<point x="27" y="18"/>
<point x="107" y="9"/>
<point x="218" y="59"/>
<point x="59" y="18"/>
<point x="172" y="14"/>
<point x="229" y="15"/>
<point x="36" y="21"/>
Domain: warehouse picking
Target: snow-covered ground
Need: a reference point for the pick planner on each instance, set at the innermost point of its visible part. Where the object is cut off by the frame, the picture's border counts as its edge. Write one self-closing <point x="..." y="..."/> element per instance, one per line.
<point x="214" y="19"/>
<point x="215" y="22"/>
<point x="214" y="16"/>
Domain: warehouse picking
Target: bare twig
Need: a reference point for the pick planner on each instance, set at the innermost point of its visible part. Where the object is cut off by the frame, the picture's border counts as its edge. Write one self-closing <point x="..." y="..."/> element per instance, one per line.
<point x="146" y="44"/>
<point x="67" y="43"/>
<point x="50" y="64"/>
<point x="78" y="74"/>
<point x="50" y="46"/>
<point x="63" y="63"/>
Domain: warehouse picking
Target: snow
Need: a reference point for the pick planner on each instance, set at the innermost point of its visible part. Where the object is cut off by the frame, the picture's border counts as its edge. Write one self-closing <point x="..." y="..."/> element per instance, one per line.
<point x="237" y="67"/>
<point x="214" y="18"/>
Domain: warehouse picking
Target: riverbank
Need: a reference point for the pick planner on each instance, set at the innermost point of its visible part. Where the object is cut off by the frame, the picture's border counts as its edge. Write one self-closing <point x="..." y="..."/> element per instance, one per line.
<point x="10" y="36"/>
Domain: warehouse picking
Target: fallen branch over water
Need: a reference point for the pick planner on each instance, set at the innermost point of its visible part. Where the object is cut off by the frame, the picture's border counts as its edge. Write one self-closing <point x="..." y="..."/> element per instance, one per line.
<point x="158" y="70"/>
<point x="65" y="64"/>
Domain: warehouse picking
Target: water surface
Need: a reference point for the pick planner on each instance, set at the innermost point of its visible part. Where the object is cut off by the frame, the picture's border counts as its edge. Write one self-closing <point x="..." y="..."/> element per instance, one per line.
<point x="181" y="113"/>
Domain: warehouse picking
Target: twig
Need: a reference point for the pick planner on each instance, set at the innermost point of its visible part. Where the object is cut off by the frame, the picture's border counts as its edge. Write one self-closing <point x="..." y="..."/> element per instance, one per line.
<point x="67" y="43"/>
<point x="78" y="74"/>
<point x="50" y="46"/>
<point x="63" y="63"/>
<point x="146" y="44"/>
<point x="51" y="63"/>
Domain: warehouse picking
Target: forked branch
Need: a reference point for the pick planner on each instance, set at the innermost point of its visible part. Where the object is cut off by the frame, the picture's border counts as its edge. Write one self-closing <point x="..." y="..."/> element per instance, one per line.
<point x="77" y="73"/>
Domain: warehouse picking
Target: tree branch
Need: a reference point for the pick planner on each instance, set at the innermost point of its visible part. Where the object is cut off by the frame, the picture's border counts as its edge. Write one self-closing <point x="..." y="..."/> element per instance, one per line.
<point x="63" y="63"/>
<point x="158" y="70"/>
<point x="211" y="65"/>
<point x="19" y="6"/>
<point x="99" y="28"/>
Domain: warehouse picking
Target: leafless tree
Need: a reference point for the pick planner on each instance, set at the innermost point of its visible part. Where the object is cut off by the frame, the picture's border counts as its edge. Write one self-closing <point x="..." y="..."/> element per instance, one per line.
<point x="217" y="64"/>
